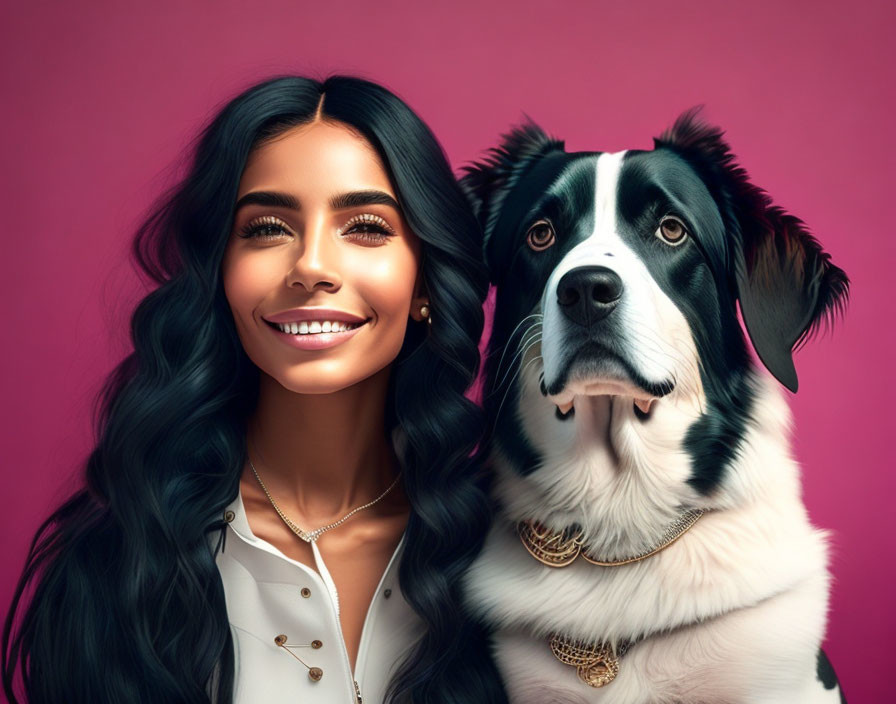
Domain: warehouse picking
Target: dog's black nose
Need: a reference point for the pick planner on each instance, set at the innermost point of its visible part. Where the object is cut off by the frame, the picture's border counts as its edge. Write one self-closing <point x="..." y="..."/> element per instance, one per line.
<point x="589" y="293"/>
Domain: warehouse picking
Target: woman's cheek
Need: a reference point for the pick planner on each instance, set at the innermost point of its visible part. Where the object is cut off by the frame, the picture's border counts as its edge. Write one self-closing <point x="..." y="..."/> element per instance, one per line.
<point x="394" y="274"/>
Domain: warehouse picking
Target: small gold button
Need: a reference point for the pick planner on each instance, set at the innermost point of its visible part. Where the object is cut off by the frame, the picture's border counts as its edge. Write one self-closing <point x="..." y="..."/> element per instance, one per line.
<point x="315" y="673"/>
<point x="387" y="593"/>
<point x="229" y="516"/>
<point x="306" y="592"/>
<point x="316" y="644"/>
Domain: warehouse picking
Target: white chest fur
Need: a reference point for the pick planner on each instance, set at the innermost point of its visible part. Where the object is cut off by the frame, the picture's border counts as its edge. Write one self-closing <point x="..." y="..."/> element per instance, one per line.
<point x="734" y="611"/>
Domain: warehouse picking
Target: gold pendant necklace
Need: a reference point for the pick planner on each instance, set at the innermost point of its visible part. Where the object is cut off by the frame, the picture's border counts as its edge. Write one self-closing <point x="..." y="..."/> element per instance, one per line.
<point x="311" y="536"/>
<point x="596" y="663"/>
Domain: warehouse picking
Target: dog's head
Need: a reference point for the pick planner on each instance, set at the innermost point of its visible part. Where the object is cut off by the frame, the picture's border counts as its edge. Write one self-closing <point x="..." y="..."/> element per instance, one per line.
<point x="619" y="275"/>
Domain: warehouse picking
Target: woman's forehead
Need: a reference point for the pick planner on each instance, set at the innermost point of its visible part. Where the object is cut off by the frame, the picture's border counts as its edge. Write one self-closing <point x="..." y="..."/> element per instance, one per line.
<point x="315" y="160"/>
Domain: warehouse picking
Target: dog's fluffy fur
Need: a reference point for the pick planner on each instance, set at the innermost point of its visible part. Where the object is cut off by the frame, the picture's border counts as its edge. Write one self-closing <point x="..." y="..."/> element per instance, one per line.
<point x="639" y="332"/>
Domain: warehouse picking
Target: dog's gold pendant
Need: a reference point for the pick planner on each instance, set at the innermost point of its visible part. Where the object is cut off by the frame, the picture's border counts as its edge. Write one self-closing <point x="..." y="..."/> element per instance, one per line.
<point x="548" y="547"/>
<point x="595" y="663"/>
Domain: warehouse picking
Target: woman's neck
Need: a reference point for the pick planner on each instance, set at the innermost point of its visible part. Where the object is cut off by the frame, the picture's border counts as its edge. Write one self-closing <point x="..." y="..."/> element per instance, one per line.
<point x="324" y="454"/>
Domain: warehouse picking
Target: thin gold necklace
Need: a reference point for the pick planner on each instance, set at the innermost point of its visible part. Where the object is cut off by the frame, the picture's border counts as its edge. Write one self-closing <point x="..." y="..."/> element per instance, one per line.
<point x="311" y="536"/>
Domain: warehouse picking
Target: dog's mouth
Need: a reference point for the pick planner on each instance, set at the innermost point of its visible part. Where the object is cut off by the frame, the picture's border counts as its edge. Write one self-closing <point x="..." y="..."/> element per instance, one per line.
<point x="642" y="402"/>
<point x="612" y="376"/>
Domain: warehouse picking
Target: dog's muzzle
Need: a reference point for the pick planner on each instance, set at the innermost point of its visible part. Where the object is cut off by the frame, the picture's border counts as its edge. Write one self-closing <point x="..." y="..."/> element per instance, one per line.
<point x="588" y="294"/>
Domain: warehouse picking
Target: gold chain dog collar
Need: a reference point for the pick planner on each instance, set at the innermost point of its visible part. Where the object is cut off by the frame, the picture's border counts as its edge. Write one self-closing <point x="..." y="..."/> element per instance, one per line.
<point x="559" y="549"/>
<point x="596" y="664"/>
<point x="548" y="547"/>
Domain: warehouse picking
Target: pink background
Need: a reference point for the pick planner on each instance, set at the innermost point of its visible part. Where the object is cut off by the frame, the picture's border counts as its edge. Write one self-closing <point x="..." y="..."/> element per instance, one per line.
<point x="99" y="102"/>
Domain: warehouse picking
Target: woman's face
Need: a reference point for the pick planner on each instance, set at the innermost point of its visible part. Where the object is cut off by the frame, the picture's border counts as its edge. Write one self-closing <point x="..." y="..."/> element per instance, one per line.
<point x="321" y="271"/>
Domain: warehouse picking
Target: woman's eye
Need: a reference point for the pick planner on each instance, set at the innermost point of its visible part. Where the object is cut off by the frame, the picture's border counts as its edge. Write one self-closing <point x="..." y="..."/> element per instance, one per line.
<point x="367" y="228"/>
<point x="367" y="231"/>
<point x="265" y="228"/>
<point x="540" y="236"/>
<point x="672" y="231"/>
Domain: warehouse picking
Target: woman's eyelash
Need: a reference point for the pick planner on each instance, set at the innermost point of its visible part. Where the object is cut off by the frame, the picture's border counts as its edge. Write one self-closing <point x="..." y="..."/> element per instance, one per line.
<point x="368" y="226"/>
<point x="265" y="227"/>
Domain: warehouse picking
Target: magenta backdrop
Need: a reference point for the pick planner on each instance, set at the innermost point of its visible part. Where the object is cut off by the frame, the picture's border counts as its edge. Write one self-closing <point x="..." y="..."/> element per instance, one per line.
<point x="101" y="100"/>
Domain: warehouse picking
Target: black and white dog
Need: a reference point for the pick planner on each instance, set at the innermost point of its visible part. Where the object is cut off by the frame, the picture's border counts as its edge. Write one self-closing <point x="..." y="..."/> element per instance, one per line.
<point x="651" y="544"/>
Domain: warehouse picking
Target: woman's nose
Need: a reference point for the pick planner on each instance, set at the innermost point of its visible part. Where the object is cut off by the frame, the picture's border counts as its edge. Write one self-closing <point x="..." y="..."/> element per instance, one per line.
<point x="317" y="263"/>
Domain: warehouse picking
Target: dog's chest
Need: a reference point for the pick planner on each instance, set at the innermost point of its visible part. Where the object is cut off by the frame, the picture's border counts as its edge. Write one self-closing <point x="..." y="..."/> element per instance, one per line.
<point x="711" y="570"/>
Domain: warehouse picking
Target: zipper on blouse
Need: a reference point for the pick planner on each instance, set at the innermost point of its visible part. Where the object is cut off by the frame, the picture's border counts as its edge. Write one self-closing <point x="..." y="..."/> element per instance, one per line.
<point x="357" y="691"/>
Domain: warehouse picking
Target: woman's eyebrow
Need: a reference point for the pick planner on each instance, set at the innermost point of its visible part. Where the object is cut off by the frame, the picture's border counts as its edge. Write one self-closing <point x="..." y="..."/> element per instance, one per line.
<point x="352" y="199"/>
<point x="270" y="198"/>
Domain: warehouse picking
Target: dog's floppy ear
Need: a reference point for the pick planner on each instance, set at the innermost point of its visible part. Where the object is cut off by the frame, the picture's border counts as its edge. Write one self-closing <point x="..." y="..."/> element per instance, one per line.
<point x="487" y="182"/>
<point x="786" y="284"/>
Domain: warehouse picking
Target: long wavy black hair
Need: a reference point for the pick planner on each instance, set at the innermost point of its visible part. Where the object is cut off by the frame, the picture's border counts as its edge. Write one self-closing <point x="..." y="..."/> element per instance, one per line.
<point x="126" y="602"/>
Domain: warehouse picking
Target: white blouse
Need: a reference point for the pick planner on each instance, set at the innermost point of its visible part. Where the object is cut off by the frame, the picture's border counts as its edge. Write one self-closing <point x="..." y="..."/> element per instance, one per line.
<point x="271" y="597"/>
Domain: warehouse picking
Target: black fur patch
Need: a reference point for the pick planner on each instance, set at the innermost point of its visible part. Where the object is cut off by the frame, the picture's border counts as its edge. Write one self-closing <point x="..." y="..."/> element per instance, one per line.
<point x="713" y="441"/>
<point x="824" y="671"/>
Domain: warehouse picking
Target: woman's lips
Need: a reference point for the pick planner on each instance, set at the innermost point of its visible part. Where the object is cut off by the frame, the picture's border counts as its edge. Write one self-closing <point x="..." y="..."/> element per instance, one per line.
<point x="315" y="340"/>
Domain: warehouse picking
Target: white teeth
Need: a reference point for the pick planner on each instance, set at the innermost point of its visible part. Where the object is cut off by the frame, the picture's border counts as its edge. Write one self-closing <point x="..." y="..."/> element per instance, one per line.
<point x="315" y="326"/>
<point x="564" y="407"/>
<point x="644" y="404"/>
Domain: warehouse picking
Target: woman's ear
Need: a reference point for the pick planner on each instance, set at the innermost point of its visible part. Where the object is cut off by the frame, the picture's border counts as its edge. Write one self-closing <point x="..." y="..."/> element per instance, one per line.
<point x="420" y="298"/>
<point x="786" y="283"/>
<point x="420" y="309"/>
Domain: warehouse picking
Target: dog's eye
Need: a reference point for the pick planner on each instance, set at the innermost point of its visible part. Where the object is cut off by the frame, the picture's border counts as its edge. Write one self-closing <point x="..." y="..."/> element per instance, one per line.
<point x="671" y="231"/>
<point x="540" y="236"/>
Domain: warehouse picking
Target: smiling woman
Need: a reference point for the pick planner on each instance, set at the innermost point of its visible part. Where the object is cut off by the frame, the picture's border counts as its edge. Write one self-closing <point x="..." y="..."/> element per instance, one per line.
<point x="322" y="272"/>
<point x="283" y="494"/>
<point x="316" y="215"/>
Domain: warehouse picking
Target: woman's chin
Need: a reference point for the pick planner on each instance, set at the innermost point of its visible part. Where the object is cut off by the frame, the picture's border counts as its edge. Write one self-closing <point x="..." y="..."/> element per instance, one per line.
<point x="322" y="379"/>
